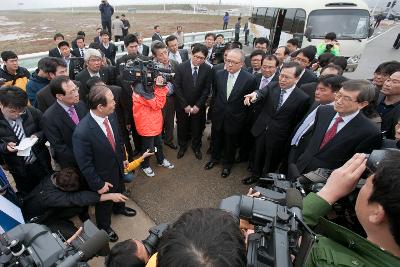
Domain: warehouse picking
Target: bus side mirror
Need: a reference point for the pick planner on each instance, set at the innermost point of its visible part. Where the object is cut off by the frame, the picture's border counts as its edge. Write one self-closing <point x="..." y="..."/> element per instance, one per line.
<point x="370" y="32"/>
<point x="308" y="32"/>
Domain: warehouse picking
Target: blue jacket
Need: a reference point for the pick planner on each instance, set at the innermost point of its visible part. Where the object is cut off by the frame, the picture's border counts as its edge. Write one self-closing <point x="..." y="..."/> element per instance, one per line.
<point x="106" y="11"/>
<point x="34" y="85"/>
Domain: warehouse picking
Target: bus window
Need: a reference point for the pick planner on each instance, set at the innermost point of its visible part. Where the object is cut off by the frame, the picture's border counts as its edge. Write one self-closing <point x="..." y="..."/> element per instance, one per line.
<point x="289" y="18"/>
<point x="260" y="17"/>
<point x="270" y="18"/>
<point x="299" y="21"/>
<point x="347" y="24"/>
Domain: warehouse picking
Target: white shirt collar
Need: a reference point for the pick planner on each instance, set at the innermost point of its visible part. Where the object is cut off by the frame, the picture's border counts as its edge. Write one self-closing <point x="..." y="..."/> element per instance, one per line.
<point x="235" y="75"/>
<point x="98" y="119"/>
<point x="347" y="118"/>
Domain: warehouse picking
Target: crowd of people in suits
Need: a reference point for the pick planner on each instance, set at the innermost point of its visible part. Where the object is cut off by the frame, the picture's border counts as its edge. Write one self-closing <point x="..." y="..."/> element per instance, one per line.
<point x="280" y="109"/>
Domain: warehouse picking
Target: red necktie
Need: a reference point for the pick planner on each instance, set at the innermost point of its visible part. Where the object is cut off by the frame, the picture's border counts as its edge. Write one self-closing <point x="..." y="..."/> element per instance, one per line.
<point x="331" y="132"/>
<point x="109" y="133"/>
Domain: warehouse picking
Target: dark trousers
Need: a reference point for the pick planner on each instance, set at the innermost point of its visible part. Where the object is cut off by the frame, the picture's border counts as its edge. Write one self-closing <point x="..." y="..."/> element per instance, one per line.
<point x="137" y="139"/>
<point x="190" y="126"/>
<point x="169" y="119"/>
<point x="127" y="142"/>
<point x="267" y="156"/>
<point x="104" y="209"/>
<point x="236" y="36"/>
<point x="223" y="142"/>
<point x="118" y="38"/>
<point x="225" y="26"/>
<point x="377" y="23"/>
<point x="149" y="142"/>
<point x="35" y="172"/>
<point x="246" y="37"/>
<point x="106" y="26"/>
<point x="396" y="44"/>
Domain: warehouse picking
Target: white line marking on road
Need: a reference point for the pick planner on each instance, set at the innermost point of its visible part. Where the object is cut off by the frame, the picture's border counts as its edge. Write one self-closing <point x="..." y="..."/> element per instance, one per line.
<point x="373" y="38"/>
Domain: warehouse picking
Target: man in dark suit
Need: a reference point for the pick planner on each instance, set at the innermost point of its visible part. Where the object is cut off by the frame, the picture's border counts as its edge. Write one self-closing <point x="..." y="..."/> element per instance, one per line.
<point x="142" y="49"/>
<point x="179" y="55"/>
<point x="79" y="51"/>
<point x="305" y="58"/>
<point x="340" y="131"/>
<point x="160" y="53"/>
<point x="60" y="119"/>
<point x="192" y="86"/>
<point x="327" y="87"/>
<point x="283" y="108"/>
<point x="17" y="122"/>
<point x="55" y="52"/>
<point x="269" y="74"/>
<point x="157" y="35"/>
<point x="256" y="58"/>
<point x="229" y="113"/>
<point x="93" y="60"/>
<point x="99" y="152"/>
<point x="389" y="104"/>
<point x="109" y="49"/>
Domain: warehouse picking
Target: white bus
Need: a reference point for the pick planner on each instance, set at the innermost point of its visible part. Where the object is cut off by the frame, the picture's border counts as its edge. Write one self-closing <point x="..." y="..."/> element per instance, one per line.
<point x="310" y="20"/>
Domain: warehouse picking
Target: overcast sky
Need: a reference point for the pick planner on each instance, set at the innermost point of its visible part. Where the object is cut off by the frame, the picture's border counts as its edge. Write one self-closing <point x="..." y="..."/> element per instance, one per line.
<point x="30" y="4"/>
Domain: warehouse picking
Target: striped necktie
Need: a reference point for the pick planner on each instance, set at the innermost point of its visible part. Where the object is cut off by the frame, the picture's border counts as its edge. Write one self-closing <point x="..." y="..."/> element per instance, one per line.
<point x="19" y="133"/>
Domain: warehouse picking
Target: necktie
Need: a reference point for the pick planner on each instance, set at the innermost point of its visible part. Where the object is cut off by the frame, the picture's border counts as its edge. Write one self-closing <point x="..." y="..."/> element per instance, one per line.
<point x="195" y="73"/>
<point x="19" y="133"/>
<point x="229" y="86"/>
<point x="73" y="115"/>
<point x="174" y="57"/>
<point x="82" y="52"/>
<point x="280" y="103"/>
<point x="331" y="132"/>
<point x="109" y="133"/>
<point x="264" y="82"/>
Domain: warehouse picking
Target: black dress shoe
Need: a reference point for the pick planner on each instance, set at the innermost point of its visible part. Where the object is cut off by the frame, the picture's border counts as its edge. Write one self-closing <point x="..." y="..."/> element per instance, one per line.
<point x="210" y="165"/>
<point x="181" y="153"/>
<point x="129" y="212"/>
<point x="225" y="172"/>
<point x="250" y="180"/>
<point x="198" y="154"/>
<point x="112" y="236"/>
<point x="171" y="145"/>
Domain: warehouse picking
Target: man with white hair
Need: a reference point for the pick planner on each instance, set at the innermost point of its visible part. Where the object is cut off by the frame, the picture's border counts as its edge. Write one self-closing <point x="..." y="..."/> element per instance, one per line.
<point x="94" y="67"/>
<point x="229" y="111"/>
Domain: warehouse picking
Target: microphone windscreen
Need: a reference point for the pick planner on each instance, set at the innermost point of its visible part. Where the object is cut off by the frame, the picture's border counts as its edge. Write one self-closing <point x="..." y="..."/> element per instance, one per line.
<point x="94" y="244"/>
<point x="294" y="198"/>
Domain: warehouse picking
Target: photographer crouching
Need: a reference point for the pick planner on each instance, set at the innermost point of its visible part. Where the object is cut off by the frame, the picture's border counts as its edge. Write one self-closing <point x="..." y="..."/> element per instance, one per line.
<point x="377" y="208"/>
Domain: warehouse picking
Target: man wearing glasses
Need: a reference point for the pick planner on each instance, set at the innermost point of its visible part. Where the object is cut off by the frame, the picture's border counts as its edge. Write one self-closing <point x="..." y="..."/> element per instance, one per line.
<point x="18" y="122"/>
<point x="340" y="130"/>
<point x="305" y="58"/>
<point x="229" y="112"/>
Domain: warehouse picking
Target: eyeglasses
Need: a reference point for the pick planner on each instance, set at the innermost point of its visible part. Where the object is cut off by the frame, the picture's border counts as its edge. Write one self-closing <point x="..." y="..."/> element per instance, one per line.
<point x="228" y="61"/>
<point x="339" y="96"/>
<point x="95" y="59"/>
<point x="199" y="57"/>
<point x="303" y="60"/>
<point x="285" y="77"/>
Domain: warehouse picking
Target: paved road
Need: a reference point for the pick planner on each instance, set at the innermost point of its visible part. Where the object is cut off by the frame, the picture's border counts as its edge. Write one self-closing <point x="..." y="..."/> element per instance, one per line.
<point x="378" y="50"/>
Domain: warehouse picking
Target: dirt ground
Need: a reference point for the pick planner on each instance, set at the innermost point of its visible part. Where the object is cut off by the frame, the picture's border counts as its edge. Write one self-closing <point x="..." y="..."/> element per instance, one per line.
<point x="29" y="32"/>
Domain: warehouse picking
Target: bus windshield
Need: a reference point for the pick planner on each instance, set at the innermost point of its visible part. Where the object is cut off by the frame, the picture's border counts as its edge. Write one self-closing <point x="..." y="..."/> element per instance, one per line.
<point x="347" y="24"/>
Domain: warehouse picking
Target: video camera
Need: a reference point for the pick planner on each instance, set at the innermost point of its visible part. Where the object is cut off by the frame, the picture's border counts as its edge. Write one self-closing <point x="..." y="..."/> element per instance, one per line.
<point x="144" y="72"/>
<point x="34" y="245"/>
<point x="153" y="239"/>
<point x="277" y="217"/>
<point x="77" y="64"/>
<point x="344" y="210"/>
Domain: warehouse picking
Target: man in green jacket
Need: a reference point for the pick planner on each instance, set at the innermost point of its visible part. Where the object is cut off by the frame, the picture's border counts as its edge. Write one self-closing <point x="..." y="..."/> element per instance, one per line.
<point x="377" y="209"/>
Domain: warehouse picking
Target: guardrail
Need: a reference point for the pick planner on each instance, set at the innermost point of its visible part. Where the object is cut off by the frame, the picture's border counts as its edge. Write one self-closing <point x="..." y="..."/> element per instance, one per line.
<point x="30" y="61"/>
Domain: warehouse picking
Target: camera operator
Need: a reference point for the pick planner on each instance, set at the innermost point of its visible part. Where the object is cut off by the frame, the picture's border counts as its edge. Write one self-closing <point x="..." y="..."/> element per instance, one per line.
<point x="160" y="52"/>
<point x="329" y="45"/>
<point x="128" y="253"/>
<point x="377" y="209"/>
<point x="202" y="237"/>
<point x="58" y="198"/>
